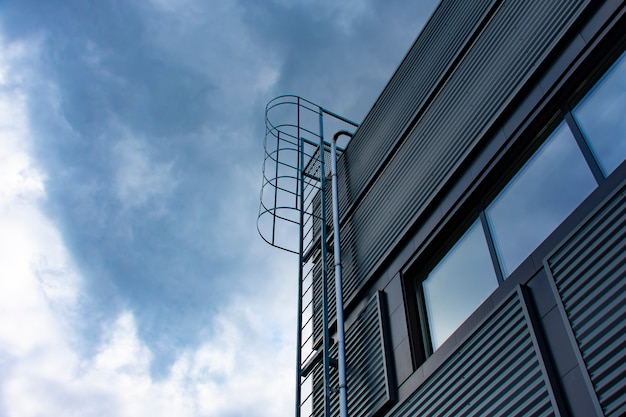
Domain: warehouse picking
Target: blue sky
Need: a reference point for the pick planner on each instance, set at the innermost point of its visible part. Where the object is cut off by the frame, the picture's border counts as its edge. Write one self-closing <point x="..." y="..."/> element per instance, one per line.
<point x="132" y="278"/>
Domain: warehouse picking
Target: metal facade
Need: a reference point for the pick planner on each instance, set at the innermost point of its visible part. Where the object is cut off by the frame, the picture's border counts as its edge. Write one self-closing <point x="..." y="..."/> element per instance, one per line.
<point x="589" y="270"/>
<point x="478" y="69"/>
<point x="496" y="372"/>
<point x="422" y="71"/>
<point x="452" y="117"/>
<point x="369" y="382"/>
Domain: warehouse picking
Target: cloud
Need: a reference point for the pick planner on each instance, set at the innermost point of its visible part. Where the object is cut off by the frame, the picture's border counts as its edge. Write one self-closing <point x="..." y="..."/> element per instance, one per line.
<point x="111" y="187"/>
<point x="243" y="368"/>
<point x="130" y="159"/>
<point x="206" y="38"/>
<point x="37" y="275"/>
<point x="28" y="241"/>
<point x="235" y="373"/>
<point x="138" y="179"/>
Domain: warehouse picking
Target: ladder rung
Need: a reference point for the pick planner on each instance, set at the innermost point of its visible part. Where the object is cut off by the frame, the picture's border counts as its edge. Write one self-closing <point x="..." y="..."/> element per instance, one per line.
<point x="317" y="357"/>
<point x="312" y="249"/>
<point x="308" y="367"/>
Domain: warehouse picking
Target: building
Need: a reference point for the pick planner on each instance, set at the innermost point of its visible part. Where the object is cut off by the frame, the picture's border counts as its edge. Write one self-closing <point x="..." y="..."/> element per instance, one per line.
<point x="482" y="213"/>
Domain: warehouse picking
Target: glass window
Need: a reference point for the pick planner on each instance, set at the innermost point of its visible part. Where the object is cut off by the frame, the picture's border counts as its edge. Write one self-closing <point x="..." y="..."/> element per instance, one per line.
<point x="547" y="188"/>
<point x="458" y="284"/>
<point x="601" y="116"/>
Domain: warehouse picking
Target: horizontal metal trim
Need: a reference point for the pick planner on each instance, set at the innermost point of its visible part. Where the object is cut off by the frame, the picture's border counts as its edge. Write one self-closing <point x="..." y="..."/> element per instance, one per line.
<point x="495" y="371"/>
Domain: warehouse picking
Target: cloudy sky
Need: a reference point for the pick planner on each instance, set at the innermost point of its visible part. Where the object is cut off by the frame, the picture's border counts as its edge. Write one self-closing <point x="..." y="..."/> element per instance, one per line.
<point x="132" y="278"/>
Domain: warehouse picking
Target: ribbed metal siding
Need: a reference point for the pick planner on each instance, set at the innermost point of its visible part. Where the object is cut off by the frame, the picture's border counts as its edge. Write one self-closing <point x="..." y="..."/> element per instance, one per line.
<point x="421" y="70"/>
<point x="367" y="375"/>
<point x="590" y="274"/>
<point x="318" y="317"/>
<point x="495" y="372"/>
<point x="517" y="38"/>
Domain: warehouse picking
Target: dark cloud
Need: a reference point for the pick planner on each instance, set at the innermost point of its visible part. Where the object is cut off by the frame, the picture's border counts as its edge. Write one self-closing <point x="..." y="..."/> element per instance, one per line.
<point x="340" y="58"/>
<point x="148" y="123"/>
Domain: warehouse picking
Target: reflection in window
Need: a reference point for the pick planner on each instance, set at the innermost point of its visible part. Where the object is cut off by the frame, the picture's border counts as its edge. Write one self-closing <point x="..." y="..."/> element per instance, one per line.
<point x="459" y="283"/>
<point x="602" y="117"/>
<point x="549" y="186"/>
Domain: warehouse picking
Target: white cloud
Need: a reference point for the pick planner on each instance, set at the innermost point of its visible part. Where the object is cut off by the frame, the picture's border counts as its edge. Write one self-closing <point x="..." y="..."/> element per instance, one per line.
<point x="245" y="368"/>
<point x="33" y="263"/>
<point x="27" y="239"/>
<point x="239" y="371"/>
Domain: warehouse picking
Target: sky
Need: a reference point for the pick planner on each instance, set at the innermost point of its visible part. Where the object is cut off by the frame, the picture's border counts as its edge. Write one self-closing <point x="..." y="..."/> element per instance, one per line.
<point x="133" y="281"/>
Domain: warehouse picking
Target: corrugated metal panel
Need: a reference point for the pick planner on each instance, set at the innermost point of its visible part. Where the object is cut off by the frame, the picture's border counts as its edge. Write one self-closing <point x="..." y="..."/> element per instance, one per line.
<point x="495" y="372"/>
<point x="590" y="274"/>
<point x="516" y="39"/>
<point x="318" y="327"/>
<point x="348" y="286"/>
<point x="420" y="72"/>
<point x="369" y="384"/>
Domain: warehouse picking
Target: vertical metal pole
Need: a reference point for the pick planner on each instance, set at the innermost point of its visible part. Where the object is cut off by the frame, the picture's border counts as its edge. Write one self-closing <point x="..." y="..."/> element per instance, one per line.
<point x="343" y="396"/>
<point x="277" y="188"/>
<point x="326" y="335"/>
<point x="300" y="271"/>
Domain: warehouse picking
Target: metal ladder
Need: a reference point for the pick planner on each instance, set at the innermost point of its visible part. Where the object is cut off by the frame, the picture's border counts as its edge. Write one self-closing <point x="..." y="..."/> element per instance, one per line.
<point x="293" y="217"/>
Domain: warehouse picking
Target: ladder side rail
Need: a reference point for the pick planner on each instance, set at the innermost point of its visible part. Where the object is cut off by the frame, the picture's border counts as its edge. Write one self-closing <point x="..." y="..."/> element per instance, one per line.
<point x="326" y="335"/>
<point x="301" y="206"/>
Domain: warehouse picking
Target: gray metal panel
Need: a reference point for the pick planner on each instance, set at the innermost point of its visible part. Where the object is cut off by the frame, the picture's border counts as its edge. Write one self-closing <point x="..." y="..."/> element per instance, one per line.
<point x="317" y="297"/>
<point x="504" y="55"/>
<point x="369" y="384"/>
<point x="495" y="372"/>
<point x="589" y="270"/>
<point x="414" y="81"/>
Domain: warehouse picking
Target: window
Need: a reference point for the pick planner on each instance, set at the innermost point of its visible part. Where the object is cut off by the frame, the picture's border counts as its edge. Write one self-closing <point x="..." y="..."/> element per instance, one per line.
<point x="547" y="188"/>
<point x="458" y="284"/>
<point x="580" y="152"/>
<point x="601" y="116"/>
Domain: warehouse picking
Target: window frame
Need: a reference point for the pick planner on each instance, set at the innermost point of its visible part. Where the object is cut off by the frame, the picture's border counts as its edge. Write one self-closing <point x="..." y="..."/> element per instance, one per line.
<point x="508" y="166"/>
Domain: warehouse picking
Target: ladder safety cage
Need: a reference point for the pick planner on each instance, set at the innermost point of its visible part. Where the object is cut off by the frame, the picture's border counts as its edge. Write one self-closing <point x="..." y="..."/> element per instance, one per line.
<point x="292" y="217"/>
